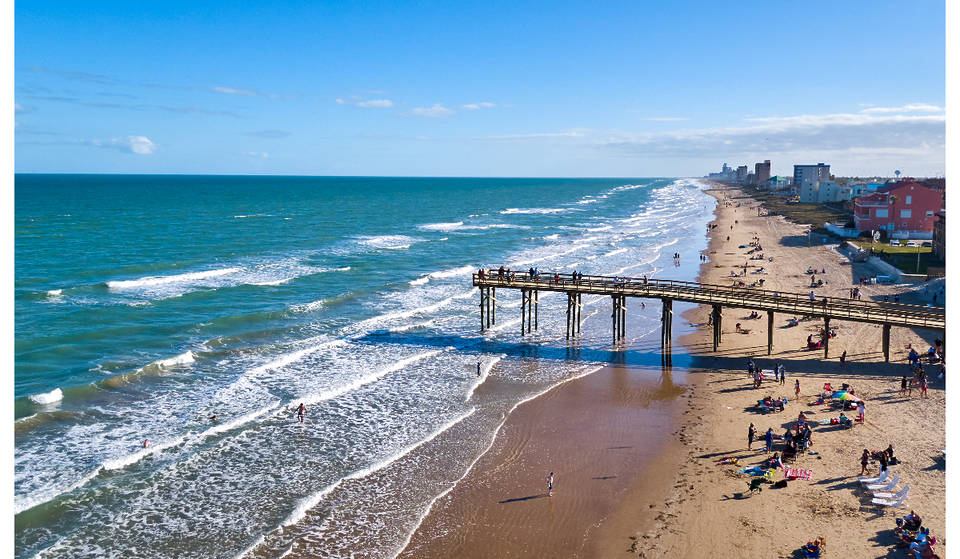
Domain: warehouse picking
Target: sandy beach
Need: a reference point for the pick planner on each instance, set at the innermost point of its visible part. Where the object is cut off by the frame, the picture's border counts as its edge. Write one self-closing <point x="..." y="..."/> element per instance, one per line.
<point x="627" y="486"/>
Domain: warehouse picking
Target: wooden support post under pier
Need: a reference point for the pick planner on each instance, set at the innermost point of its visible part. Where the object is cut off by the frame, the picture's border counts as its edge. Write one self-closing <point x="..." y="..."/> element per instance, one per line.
<point x="579" y="309"/>
<point x="769" y="332"/>
<point x="886" y="343"/>
<point x="717" y="326"/>
<point x="666" y="328"/>
<point x="523" y="310"/>
<point x="536" y="309"/>
<point x="826" y="337"/>
<point x="615" y="314"/>
<point x="569" y="310"/>
<point x="483" y="300"/>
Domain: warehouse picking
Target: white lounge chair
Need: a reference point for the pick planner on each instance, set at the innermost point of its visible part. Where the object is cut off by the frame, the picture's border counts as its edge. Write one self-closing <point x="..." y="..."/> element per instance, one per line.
<point x="903" y="493"/>
<point x="889" y="503"/>
<point x="881" y="478"/>
<point x="887" y="486"/>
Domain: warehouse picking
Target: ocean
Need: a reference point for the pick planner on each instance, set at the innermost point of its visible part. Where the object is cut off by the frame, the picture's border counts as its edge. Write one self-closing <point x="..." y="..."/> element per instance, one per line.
<point x="145" y="305"/>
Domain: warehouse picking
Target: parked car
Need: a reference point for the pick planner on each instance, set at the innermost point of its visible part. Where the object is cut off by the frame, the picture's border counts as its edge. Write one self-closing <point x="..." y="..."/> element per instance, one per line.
<point x="926" y="244"/>
<point x="912" y="243"/>
<point x="894" y="243"/>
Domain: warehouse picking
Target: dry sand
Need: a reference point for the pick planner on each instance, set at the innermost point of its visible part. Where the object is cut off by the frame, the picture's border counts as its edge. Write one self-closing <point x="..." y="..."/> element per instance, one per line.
<point x="628" y="484"/>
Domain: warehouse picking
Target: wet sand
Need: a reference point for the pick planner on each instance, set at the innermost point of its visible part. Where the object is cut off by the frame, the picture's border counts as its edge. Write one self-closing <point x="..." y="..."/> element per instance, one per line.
<point x="603" y="436"/>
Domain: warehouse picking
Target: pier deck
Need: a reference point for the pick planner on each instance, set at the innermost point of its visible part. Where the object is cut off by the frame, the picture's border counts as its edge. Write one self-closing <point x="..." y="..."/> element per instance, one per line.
<point x="797" y="304"/>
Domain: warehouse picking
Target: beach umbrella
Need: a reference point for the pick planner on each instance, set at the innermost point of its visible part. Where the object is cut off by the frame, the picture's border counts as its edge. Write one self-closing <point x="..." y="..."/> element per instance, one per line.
<point x="844" y="395"/>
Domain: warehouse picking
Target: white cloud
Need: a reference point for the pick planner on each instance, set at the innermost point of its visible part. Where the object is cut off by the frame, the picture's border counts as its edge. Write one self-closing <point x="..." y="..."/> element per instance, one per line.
<point x="910" y="108"/>
<point x="437" y="110"/>
<point x="233" y="91"/>
<point x="822" y="134"/>
<point x="17" y="107"/>
<point x="140" y="145"/>
<point x="340" y="101"/>
<point x="258" y="154"/>
<point x="476" y="106"/>
<point x="376" y="104"/>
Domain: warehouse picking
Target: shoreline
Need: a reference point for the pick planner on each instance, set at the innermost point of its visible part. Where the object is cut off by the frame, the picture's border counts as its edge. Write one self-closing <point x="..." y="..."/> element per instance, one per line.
<point x="611" y="473"/>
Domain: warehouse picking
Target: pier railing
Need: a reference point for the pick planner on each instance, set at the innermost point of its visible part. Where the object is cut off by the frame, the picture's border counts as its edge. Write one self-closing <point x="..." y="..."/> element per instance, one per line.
<point x="894" y="314"/>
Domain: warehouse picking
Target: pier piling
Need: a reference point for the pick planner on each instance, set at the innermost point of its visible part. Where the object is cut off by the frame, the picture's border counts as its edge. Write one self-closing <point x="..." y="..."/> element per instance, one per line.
<point x="769" y="332"/>
<point x="886" y="343"/>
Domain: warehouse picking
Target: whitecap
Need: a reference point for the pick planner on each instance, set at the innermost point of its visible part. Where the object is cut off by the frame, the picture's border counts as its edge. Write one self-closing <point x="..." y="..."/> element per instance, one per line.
<point x="441" y="274"/>
<point x="47" y="398"/>
<point x="185" y="358"/>
<point x="441" y="226"/>
<point x="509" y="211"/>
<point x="163" y="280"/>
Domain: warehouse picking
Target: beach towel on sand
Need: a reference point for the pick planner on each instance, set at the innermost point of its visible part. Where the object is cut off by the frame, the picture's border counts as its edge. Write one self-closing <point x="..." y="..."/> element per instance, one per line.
<point x="797" y="473"/>
<point x="756" y="471"/>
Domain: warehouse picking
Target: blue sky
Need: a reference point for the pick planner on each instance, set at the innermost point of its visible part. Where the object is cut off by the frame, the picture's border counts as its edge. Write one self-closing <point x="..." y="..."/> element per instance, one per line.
<point x="635" y="88"/>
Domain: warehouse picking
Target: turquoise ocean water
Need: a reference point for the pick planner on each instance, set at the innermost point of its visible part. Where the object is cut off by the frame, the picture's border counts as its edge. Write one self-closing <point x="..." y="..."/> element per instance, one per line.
<point x="144" y="305"/>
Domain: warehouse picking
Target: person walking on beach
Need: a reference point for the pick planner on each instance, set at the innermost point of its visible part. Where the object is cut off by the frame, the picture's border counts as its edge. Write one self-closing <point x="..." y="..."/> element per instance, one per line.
<point x="550" y="485"/>
<point x="301" y="410"/>
<point x="776" y="374"/>
<point x="769" y="440"/>
<point x="751" y="432"/>
<point x="843" y="359"/>
<point x="478" y="367"/>
<point x="883" y="462"/>
<point x="864" y="460"/>
<point x="903" y="385"/>
<point x="783" y="373"/>
<point x="861" y="410"/>
<point x="796" y="388"/>
<point x="923" y="387"/>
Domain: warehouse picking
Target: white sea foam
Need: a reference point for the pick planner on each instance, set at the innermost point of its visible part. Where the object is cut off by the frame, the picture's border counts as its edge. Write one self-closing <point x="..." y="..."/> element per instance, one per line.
<point x="441" y="226"/>
<point x="388" y="242"/>
<point x="587" y="201"/>
<point x="452" y="272"/>
<point x="367" y="379"/>
<point x="485" y="368"/>
<point x="372" y="322"/>
<point x="616" y="252"/>
<point x="313" y="500"/>
<point x="46" y="398"/>
<point x="294" y="356"/>
<point x="309" y="307"/>
<point x="22" y="503"/>
<point x="164" y="280"/>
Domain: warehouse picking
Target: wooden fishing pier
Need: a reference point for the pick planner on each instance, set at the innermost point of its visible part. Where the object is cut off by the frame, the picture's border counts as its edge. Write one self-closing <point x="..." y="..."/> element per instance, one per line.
<point x="668" y="291"/>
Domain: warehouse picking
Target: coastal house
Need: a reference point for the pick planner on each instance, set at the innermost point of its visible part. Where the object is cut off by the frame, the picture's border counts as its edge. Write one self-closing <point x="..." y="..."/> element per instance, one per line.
<point x="904" y="210"/>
